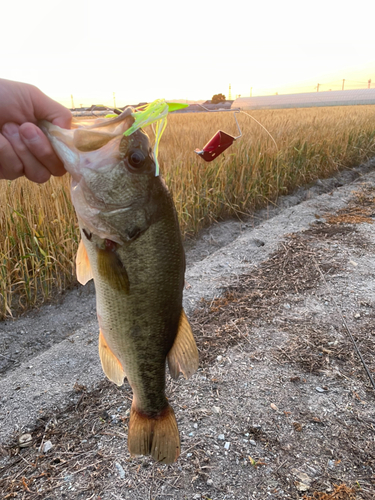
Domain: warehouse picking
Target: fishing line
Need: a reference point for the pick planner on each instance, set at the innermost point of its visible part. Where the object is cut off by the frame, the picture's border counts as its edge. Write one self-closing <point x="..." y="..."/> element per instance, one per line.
<point x="238" y="110"/>
<point x="263" y="127"/>
<point x="221" y="140"/>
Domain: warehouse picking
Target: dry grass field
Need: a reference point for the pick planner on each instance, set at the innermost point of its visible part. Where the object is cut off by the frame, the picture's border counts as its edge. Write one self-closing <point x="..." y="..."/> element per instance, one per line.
<point x="38" y="229"/>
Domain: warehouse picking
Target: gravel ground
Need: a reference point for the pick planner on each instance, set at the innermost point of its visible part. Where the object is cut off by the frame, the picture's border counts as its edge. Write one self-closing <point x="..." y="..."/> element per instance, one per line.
<point x="281" y="406"/>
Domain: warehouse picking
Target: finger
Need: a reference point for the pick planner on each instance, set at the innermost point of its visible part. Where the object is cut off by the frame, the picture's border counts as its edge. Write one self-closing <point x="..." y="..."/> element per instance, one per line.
<point x="64" y="119"/>
<point x="33" y="169"/>
<point x="40" y="147"/>
<point x="46" y="108"/>
<point x="10" y="165"/>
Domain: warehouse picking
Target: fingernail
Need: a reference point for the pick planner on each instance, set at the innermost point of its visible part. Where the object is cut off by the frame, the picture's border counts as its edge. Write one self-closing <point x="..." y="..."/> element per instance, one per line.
<point x="29" y="133"/>
<point x="10" y="129"/>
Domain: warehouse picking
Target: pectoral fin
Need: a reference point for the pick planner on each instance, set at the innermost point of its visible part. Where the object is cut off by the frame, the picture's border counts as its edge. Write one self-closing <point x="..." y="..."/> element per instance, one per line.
<point x="110" y="364"/>
<point x="83" y="268"/>
<point x="183" y="357"/>
<point x="112" y="270"/>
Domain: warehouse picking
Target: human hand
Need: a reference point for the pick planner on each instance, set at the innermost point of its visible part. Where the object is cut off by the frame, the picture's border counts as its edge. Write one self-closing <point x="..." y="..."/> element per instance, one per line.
<point x="24" y="149"/>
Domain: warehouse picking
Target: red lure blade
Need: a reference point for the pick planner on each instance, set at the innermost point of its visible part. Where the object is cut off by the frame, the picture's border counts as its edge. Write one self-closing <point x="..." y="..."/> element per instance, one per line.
<point x="215" y="146"/>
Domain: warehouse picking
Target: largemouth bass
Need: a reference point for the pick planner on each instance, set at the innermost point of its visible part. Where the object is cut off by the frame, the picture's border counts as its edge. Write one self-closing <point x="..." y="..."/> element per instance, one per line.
<point x="131" y="246"/>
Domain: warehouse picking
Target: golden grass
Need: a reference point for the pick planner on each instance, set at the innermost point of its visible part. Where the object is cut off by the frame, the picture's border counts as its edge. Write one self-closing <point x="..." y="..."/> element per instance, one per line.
<point x="39" y="233"/>
<point x="38" y="240"/>
<point x="312" y="143"/>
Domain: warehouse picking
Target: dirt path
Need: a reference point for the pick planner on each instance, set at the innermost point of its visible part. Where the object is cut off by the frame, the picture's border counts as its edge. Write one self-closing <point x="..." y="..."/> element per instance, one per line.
<point x="281" y="406"/>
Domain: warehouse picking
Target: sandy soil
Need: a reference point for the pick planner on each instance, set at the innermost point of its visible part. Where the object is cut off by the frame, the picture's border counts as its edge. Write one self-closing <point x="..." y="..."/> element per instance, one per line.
<point x="281" y="406"/>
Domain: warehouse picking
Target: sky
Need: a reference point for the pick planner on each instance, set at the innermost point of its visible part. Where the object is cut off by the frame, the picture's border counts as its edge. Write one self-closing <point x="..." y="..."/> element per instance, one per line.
<point x="101" y="51"/>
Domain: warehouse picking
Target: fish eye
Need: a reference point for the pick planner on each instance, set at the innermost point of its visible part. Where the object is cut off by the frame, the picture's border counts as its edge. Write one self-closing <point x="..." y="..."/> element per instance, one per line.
<point x="136" y="158"/>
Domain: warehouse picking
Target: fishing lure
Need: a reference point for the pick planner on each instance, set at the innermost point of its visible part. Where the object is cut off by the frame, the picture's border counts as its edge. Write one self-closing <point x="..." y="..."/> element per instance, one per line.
<point x="157" y="111"/>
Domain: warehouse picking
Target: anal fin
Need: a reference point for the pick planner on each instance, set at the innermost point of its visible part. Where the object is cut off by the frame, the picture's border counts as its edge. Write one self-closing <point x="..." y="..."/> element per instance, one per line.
<point x="183" y="356"/>
<point x="110" y="364"/>
<point x="156" y="436"/>
<point x="83" y="268"/>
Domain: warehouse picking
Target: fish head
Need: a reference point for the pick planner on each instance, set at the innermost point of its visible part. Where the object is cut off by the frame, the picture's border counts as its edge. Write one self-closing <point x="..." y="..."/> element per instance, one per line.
<point x="112" y="174"/>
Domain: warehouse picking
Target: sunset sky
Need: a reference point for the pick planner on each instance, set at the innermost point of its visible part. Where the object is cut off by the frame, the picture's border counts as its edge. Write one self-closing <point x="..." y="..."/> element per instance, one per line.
<point x="150" y="49"/>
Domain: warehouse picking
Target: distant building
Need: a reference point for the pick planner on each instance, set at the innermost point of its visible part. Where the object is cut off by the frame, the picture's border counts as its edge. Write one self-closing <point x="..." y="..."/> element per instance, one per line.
<point x="207" y="105"/>
<point x="307" y="100"/>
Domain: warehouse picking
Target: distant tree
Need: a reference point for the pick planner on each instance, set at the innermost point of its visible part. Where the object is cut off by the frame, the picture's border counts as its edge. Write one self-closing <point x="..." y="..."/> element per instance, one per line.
<point x="218" y="98"/>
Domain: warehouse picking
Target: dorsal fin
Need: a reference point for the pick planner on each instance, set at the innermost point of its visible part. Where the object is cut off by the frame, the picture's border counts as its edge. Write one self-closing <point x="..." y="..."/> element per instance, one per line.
<point x="83" y="268"/>
<point x="183" y="357"/>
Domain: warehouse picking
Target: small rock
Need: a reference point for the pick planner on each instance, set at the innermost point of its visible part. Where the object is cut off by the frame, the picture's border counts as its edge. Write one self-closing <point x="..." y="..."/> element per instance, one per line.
<point x="274" y="407"/>
<point x="305" y="480"/>
<point x="221" y="437"/>
<point x="227" y="445"/>
<point x="191" y="434"/>
<point x="104" y="415"/>
<point x="220" y="358"/>
<point x="189" y="455"/>
<point x="357" y="316"/>
<point x="287" y="306"/>
<point x="209" y="482"/>
<point x="216" y="409"/>
<point x="302" y="486"/>
<point x="252" y="442"/>
<point x="120" y="470"/>
<point x="272" y="484"/>
<point x="25" y="440"/>
<point x="195" y="426"/>
<point x="320" y="389"/>
<point x="47" y="446"/>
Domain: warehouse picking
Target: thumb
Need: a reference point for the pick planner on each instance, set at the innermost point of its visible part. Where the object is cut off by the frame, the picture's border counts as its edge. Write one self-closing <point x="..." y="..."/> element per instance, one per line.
<point x="46" y="108"/>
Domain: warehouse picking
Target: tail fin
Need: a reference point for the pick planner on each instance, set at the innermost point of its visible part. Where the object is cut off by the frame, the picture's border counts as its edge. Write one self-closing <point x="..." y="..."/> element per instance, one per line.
<point x="156" y="436"/>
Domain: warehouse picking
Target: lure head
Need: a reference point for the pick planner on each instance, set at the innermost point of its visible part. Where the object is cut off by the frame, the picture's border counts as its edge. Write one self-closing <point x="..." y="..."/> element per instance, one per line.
<point x="157" y="112"/>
